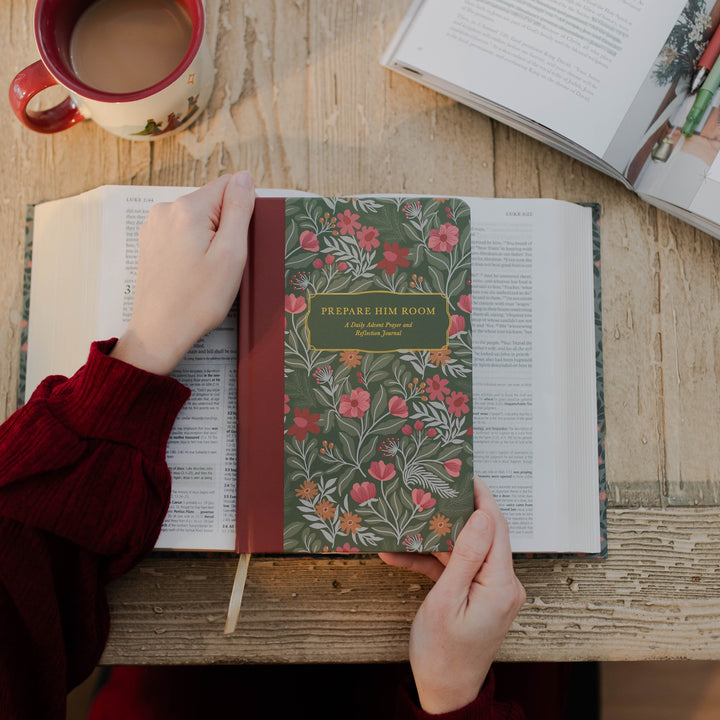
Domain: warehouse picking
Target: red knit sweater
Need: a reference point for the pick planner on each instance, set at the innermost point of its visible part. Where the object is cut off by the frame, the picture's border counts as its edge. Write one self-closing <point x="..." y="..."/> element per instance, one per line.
<point x="84" y="488"/>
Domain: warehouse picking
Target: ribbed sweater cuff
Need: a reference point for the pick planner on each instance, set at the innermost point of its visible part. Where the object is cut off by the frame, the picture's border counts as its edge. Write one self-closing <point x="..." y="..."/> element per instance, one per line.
<point x="481" y="708"/>
<point x="112" y="400"/>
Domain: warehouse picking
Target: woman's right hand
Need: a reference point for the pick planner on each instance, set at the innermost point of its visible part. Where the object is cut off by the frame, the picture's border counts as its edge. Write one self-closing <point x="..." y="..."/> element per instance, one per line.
<point x="192" y="256"/>
<point x="462" y="622"/>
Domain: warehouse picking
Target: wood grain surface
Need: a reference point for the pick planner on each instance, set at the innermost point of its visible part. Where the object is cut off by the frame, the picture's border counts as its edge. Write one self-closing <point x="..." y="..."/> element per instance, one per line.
<point x="301" y="100"/>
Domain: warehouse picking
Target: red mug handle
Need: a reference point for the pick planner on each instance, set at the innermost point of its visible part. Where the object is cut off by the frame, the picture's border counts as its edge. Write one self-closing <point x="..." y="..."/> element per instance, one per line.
<point x="28" y="83"/>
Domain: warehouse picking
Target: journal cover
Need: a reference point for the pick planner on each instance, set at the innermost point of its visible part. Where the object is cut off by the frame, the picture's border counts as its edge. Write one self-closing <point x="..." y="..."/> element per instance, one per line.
<point x="354" y="387"/>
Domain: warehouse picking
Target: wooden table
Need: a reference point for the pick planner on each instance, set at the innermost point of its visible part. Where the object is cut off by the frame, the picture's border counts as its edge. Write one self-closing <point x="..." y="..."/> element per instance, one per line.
<point x="301" y="100"/>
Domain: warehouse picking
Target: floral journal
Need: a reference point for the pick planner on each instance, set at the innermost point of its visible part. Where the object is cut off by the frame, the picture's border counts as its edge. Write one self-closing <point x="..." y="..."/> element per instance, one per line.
<point x="364" y="384"/>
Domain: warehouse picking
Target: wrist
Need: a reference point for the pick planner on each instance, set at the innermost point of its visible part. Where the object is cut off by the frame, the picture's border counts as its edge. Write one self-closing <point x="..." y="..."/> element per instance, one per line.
<point x="156" y="358"/>
<point x="445" y="700"/>
<point x="480" y="705"/>
<point x="449" y="688"/>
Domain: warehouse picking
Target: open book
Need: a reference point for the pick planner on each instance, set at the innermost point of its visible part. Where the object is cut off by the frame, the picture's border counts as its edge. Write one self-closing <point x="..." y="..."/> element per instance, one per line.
<point x="535" y="397"/>
<point x="607" y="82"/>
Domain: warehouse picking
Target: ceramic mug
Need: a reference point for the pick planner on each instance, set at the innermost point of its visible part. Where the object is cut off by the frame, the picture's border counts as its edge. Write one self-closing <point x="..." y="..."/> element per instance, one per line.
<point x="157" y="111"/>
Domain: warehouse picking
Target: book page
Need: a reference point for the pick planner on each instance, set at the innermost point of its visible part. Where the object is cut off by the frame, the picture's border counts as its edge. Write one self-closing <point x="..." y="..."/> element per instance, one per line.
<point x="84" y="263"/>
<point x="201" y="452"/>
<point x="62" y="307"/>
<point x="520" y="392"/>
<point x="574" y="67"/>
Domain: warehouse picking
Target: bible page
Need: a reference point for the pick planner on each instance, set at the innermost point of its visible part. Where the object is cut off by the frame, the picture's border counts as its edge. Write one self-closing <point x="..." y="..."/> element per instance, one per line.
<point x="63" y="288"/>
<point x="521" y="437"/>
<point x="201" y="451"/>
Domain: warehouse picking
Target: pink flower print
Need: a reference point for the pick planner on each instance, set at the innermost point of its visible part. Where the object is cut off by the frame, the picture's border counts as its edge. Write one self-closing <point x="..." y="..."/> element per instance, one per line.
<point x="368" y="238"/>
<point x="304" y="422"/>
<point x="453" y="467"/>
<point x="398" y="407"/>
<point x="419" y="425"/>
<point x="348" y="223"/>
<point x="437" y="388"/>
<point x="423" y="500"/>
<point x="309" y="241"/>
<point x="301" y="280"/>
<point x="294" y="305"/>
<point x="465" y="303"/>
<point x="432" y="432"/>
<point x="444" y="239"/>
<point x="329" y="259"/>
<point x="346" y="548"/>
<point x="323" y="374"/>
<point x="342" y="266"/>
<point x="362" y="492"/>
<point x="393" y="256"/>
<point x="389" y="447"/>
<point x="286" y="399"/>
<point x="457" y="324"/>
<point x="355" y="404"/>
<point x="406" y="430"/>
<point x="412" y="209"/>
<point x="457" y="403"/>
<point x="413" y="543"/>
<point x="381" y="471"/>
<point x="317" y="263"/>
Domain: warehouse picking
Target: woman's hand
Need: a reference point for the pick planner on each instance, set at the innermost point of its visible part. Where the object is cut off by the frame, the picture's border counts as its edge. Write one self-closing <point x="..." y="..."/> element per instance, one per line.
<point x="462" y="623"/>
<point x="192" y="256"/>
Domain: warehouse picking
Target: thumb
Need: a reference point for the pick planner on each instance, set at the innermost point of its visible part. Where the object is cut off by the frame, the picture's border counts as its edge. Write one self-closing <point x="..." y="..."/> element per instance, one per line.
<point x="237" y="208"/>
<point x="468" y="555"/>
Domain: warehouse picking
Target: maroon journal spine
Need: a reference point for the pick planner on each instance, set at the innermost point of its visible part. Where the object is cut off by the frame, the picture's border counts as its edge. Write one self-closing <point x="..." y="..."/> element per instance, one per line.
<point x="261" y="386"/>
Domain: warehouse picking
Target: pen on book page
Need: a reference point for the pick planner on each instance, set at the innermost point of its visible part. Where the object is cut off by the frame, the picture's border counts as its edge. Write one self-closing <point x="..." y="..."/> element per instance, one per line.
<point x="706" y="61"/>
<point x="704" y="96"/>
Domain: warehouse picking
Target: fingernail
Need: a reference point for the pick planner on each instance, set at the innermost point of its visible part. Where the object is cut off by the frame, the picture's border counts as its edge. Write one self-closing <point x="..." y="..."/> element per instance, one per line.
<point x="479" y="520"/>
<point x="245" y="179"/>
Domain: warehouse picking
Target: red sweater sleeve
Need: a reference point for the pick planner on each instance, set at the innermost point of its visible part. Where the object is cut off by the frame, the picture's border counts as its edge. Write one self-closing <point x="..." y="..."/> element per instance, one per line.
<point x="484" y="707"/>
<point x="84" y="488"/>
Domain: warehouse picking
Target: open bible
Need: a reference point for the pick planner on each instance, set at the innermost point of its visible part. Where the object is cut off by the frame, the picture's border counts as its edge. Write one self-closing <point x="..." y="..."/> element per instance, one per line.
<point x="468" y="320"/>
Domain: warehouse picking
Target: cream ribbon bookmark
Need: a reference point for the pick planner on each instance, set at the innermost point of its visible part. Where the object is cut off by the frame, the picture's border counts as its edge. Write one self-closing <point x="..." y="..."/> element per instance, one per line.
<point x="237" y="593"/>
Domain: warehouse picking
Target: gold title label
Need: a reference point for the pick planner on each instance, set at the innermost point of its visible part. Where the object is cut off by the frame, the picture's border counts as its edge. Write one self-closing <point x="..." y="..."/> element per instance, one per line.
<point x="378" y="321"/>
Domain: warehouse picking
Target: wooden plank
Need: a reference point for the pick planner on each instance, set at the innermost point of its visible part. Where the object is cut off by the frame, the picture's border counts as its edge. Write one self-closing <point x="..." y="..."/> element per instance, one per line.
<point x="313" y="110"/>
<point x="654" y="599"/>
<point x="689" y="272"/>
<point x="256" y="119"/>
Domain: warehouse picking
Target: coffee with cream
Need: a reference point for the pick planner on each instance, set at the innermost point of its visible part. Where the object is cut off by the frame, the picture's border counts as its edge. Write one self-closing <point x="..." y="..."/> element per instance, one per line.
<point x="123" y="46"/>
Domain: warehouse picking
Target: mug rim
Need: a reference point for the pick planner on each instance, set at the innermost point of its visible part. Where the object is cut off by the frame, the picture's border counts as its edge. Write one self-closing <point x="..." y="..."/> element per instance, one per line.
<point x="48" y="53"/>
